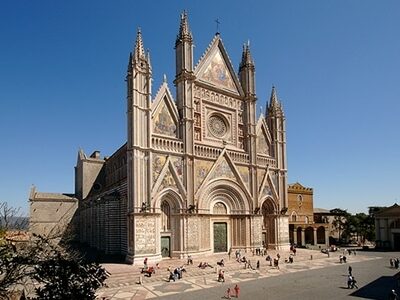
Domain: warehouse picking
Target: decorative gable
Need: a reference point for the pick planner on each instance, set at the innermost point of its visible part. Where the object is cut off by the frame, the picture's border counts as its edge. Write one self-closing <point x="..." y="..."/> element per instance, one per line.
<point x="169" y="178"/>
<point x="216" y="69"/>
<point x="164" y="116"/>
<point x="263" y="139"/>
<point x="163" y="123"/>
<point x="224" y="168"/>
<point x="268" y="185"/>
<point x="217" y="72"/>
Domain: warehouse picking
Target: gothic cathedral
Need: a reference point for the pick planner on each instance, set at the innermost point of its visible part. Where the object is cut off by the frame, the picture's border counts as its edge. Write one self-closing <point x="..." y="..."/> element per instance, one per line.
<point x="199" y="174"/>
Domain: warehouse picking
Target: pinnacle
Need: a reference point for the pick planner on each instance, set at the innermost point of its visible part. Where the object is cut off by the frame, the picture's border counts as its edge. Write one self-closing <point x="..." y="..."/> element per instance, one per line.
<point x="274" y="99"/>
<point x="246" y="56"/>
<point x="139" y="49"/>
<point x="184" y="32"/>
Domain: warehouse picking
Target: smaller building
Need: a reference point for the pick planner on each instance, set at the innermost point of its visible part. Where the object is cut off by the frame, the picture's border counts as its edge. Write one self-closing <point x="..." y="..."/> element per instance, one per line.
<point x="304" y="229"/>
<point x="51" y="214"/>
<point x="387" y="227"/>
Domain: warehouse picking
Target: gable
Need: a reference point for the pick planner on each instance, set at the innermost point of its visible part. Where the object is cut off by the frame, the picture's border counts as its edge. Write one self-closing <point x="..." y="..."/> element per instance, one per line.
<point x="215" y="68"/>
<point x="163" y="121"/>
<point x="217" y="72"/>
<point x="263" y="139"/>
<point x="224" y="168"/>
<point x="263" y="146"/>
<point x="170" y="177"/>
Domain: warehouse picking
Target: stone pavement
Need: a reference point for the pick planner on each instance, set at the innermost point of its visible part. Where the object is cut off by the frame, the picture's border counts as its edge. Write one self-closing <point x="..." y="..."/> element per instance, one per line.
<point x="123" y="284"/>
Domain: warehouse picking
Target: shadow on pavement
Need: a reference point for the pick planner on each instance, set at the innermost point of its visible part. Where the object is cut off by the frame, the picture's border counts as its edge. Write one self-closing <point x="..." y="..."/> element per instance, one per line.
<point x="377" y="289"/>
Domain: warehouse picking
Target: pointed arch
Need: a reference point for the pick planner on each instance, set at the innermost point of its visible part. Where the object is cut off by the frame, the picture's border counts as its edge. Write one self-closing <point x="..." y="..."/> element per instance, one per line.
<point x="269" y="210"/>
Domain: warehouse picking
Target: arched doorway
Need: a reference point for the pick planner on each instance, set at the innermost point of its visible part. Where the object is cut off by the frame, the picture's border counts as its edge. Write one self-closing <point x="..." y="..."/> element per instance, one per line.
<point x="269" y="219"/>
<point x="321" y="235"/>
<point x="299" y="240"/>
<point x="169" y="205"/>
<point x="309" y="235"/>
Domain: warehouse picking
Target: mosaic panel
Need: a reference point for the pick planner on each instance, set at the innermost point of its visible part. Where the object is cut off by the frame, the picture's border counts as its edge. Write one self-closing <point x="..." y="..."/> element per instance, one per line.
<point x="244" y="173"/>
<point x="266" y="190"/>
<point x="163" y="122"/>
<point x="158" y="164"/>
<point x="223" y="170"/>
<point x="178" y="164"/>
<point x="202" y="167"/>
<point x="262" y="144"/>
<point x="260" y="177"/>
<point x="168" y="181"/>
<point x="274" y="177"/>
<point x="218" y="73"/>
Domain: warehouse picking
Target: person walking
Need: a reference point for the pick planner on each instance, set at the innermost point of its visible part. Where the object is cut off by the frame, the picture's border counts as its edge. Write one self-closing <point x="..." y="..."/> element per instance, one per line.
<point x="228" y="293"/>
<point x="237" y="291"/>
<point x="349" y="281"/>
<point x="353" y="283"/>
<point x="350" y="270"/>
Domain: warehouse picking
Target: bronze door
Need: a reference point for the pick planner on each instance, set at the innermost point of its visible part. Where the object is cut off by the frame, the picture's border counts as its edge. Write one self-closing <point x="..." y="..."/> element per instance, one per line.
<point x="220" y="237"/>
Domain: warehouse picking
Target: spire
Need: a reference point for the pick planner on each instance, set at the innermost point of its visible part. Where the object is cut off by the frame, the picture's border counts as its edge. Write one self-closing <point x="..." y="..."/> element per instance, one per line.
<point x="275" y="106"/>
<point x="246" y="56"/>
<point x="139" y="49"/>
<point x="184" y="32"/>
<point x="273" y="101"/>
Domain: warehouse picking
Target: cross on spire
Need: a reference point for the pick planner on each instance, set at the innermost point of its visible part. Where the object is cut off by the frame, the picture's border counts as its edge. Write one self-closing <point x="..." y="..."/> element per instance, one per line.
<point x="217" y="23"/>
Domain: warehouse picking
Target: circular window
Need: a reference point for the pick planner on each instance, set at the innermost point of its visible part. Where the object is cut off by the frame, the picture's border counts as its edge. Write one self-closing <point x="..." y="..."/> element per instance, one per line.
<point x="217" y="126"/>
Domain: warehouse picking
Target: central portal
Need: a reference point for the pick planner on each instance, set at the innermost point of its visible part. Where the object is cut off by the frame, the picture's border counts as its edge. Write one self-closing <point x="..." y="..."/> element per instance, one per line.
<point x="220" y="237"/>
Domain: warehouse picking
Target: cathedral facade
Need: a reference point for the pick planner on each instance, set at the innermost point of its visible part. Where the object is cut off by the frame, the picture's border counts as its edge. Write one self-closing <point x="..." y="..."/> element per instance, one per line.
<point x="199" y="174"/>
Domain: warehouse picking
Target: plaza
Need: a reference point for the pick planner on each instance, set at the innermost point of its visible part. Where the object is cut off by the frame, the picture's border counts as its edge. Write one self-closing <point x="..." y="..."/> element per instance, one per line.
<point x="313" y="275"/>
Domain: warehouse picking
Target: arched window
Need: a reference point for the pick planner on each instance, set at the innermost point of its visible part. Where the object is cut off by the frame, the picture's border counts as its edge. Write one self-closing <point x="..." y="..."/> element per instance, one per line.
<point x="219" y="209"/>
<point x="294" y="216"/>
<point x="165" y="216"/>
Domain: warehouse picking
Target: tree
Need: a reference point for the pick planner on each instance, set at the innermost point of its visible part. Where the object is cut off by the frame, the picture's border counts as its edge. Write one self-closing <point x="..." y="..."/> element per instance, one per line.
<point x="65" y="275"/>
<point x="14" y="263"/>
<point x="340" y="222"/>
<point x="61" y="271"/>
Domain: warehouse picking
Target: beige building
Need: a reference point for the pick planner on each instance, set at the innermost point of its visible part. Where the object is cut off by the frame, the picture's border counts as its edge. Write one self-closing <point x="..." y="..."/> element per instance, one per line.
<point x="387" y="228"/>
<point x="305" y="227"/>
<point x="199" y="173"/>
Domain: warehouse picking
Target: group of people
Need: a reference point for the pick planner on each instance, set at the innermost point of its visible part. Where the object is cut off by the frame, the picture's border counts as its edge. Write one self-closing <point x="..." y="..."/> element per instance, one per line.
<point x="176" y="274"/>
<point x="342" y="258"/>
<point x="147" y="270"/>
<point x="394" y="263"/>
<point x="235" y="291"/>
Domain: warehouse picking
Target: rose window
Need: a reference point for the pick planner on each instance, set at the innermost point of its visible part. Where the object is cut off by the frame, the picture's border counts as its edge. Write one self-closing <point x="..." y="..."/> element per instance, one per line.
<point x="217" y="126"/>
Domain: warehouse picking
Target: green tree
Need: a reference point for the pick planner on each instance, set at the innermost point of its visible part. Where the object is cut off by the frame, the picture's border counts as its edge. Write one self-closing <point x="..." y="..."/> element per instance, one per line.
<point x="61" y="272"/>
<point x="340" y="222"/>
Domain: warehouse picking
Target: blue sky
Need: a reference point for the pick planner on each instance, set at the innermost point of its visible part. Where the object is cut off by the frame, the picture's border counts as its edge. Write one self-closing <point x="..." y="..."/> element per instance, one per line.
<point x="335" y="65"/>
